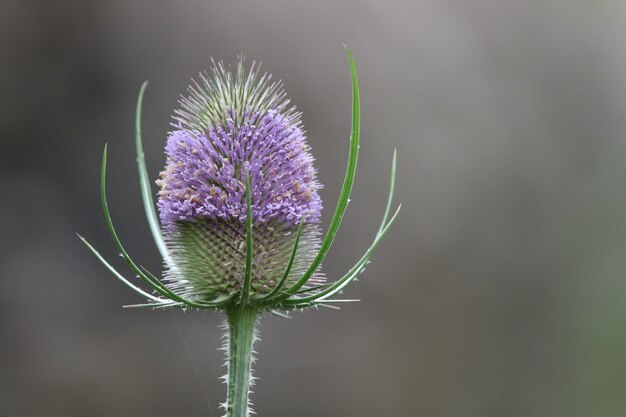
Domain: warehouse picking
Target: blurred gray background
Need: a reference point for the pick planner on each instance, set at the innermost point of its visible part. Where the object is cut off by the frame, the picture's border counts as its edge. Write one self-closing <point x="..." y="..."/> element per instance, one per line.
<point x="501" y="291"/>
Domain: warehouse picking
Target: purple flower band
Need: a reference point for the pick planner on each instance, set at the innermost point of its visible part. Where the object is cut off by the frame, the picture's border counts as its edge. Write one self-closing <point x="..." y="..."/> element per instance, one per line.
<point x="205" y="173"/>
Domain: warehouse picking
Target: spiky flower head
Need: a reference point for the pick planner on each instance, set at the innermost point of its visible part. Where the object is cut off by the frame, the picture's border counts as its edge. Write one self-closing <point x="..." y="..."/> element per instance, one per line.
<point x="233" y="127"/>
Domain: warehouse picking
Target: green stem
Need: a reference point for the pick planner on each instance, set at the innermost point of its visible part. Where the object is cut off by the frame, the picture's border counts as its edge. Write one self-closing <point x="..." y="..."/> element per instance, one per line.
<point x="241" y="322"/>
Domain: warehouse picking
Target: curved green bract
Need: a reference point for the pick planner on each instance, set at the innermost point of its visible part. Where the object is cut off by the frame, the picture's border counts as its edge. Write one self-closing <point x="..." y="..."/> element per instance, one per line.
<point x="107" y="216"/>
<point x="144" y="182"/>
<point x="346" y="279"/>
<point x="292" y="257"/>
<point x="119" y="276"/>
<point x="157" y="285"/>
<point x="392" y="187"/>
<point x="356" y="269"/>
<point x="157" y="305"/>
<point x="346" y="189"/>
<point x="317" y="287"/>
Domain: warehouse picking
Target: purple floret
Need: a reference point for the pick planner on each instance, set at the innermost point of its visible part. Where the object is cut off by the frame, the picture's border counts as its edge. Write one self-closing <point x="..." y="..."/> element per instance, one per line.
<point x="205" y="174"/>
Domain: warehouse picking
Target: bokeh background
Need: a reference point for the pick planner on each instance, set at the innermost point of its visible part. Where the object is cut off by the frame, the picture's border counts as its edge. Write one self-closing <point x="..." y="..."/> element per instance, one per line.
<point x="501" y="291"/>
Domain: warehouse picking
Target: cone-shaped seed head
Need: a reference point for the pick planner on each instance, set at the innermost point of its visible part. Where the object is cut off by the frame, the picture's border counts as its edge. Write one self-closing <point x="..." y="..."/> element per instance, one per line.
<point x="233" y="124"/>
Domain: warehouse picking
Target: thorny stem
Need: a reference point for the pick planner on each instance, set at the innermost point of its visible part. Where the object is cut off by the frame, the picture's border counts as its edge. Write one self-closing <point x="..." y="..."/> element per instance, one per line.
<point x="241" y="337"/>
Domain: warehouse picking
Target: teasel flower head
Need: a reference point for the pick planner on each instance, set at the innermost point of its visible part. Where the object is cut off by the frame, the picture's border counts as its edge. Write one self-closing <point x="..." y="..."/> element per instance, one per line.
<point x="239" y="212"/>
<point x="236" y="130"/>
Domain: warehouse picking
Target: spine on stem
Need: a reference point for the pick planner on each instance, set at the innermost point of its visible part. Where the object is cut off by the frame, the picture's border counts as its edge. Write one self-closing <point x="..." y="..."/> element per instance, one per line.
<point x="241" y="338"/>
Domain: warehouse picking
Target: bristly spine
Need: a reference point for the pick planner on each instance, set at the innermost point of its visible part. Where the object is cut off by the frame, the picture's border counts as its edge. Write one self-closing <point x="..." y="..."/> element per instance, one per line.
<point x="247" y="92"/>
